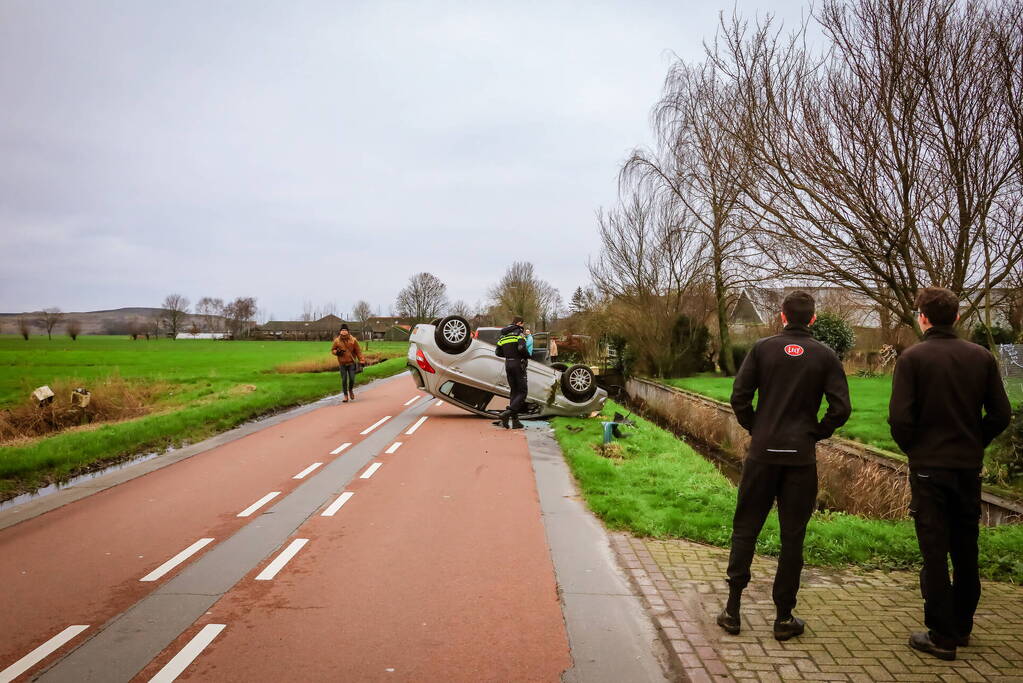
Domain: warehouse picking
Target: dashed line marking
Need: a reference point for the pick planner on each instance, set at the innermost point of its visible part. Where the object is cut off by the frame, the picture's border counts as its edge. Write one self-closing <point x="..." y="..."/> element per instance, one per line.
<point x="376" y="424"/>
<point x="282" y="559"/>
<point x="417" y="425"/>
<point x="306" y="471"/>
<point x="336" y="505"/>
<point x="370" y="470"/>
<point x="259" y="503"/>
<point x="40" y="653"/>
<point x="412" y="400"/>
<point x="394" y="446"/>
<point x="177" y="559"/>
<point x="439" y="403"/>
<point x="176" y="666"/>
<point x="340" y="448"/>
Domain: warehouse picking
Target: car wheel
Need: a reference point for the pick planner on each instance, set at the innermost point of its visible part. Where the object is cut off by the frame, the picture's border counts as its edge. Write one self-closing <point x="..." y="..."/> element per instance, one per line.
<point x="578" y="384"/>
<point x="453" y="334"/>
<point x="560" y="367"/>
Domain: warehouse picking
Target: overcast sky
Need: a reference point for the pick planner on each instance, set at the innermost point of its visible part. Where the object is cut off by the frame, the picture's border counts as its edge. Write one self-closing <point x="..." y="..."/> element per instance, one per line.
<point x="322" y="151"/>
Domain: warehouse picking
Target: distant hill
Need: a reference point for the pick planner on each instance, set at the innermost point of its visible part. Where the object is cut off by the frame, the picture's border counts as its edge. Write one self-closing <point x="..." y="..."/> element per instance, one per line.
<point x="114" y="321"/>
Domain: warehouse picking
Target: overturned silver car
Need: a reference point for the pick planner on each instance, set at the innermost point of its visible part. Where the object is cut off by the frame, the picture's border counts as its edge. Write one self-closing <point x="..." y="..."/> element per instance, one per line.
<point x="448" y="362"/>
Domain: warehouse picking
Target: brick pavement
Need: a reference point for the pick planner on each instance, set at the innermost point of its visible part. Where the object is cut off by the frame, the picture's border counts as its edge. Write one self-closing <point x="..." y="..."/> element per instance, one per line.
<point x="858" y="622"/>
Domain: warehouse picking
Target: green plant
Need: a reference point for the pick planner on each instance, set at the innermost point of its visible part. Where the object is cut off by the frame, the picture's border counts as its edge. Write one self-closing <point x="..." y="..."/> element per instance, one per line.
<point x="999" y="334"/>
<point x="739" y="353"/>
<point x="1005" y="463"/>
<point x="832" y="330"/>
<point x="689" y="342"/>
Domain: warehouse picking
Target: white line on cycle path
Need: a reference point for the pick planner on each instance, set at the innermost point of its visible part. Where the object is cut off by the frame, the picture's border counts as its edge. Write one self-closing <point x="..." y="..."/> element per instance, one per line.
<point x="259" y="503"/>
<point x="40" y="653"/>
<point x="417" y="425"/>
<point x="177" y="559"/>
<point x="412" y="400"/>
<point x="125" y="644"/>
<point x="278" y="562"/>
<point x="303" y="473"/>
<point x="370" y="471"/>
<point x="340" y="448"/>
<point x="176" y="666"/>
<point x="393" y="447"/>
<point x="336" y="505"/>
<point x="376" y="424"/>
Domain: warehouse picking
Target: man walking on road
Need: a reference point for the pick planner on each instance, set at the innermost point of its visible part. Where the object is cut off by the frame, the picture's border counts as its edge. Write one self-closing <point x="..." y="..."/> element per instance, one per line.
<point x="513" y="348"/>
<point x="947" y="404"/>
<point x="791" y="372"/>
<point x="346" y="348"/>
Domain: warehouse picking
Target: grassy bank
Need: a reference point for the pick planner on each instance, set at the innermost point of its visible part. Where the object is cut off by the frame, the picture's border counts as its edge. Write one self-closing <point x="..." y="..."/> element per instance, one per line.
<point x="662" y="488"/>
<point x="205" y="387"/>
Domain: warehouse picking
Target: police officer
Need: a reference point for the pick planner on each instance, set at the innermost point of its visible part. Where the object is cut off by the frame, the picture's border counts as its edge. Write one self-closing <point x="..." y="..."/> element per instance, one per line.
<point x="947" y="404"/>
<point x="512" y="347"/>
<point x="791" y="372"/>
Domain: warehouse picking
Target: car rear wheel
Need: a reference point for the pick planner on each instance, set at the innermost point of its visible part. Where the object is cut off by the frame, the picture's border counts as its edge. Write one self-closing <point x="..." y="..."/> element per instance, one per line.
<point x="453" y="334"/>
<point x="578" y="384"/>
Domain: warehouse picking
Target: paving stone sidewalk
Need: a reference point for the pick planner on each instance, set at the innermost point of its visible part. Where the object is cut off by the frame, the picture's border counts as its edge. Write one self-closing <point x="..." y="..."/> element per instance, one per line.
<point x="858" y="622"/>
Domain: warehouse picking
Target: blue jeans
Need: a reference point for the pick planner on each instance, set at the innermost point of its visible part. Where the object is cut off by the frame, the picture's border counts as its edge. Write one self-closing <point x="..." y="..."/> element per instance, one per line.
<point x="347" y="378"/>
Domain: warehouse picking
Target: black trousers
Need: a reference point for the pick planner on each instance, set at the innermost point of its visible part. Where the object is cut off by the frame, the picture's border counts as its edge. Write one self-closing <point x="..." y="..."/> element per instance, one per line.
<point x="348" y="377"/>
<point x="945" y="505"/>
<point x="516" y="371"/>
<point x="795" y="489"/>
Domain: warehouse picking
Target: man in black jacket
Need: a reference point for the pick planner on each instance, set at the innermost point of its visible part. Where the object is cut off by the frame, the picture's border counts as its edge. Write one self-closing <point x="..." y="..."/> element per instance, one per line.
<point x="948" y="403"/>
<point x="791" y="372"/>
<point x="512" y="347"/>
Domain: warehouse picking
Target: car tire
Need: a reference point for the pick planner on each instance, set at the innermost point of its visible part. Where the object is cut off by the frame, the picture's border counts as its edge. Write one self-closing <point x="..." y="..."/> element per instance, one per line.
<point x="453" y="335"/>
<point x="578" y="384"/>
<point x="560" y="367"/>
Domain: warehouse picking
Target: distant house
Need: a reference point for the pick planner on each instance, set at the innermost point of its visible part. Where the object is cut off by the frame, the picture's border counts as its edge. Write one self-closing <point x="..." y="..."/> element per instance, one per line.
<point x="203" y="335"/>
<point x="326" y="328"/>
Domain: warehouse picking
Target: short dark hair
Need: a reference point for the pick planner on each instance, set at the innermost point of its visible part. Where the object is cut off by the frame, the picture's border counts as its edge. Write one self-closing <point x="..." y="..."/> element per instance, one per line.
<point x="516" y="320"/>
<point x="940" y="305"/>
<point x="343" y="327"/>
<point x="798" y="308"/>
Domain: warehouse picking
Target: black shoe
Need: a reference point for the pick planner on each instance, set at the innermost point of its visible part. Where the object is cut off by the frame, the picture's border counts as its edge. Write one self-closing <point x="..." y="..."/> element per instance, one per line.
<point x="788" y="628"/>
<point x="505" y="416"/>
<point x="517" y="425"/>
<point x="922" y="641"/>
<point x="963" y="641"/>
<point x="729" y="623"/>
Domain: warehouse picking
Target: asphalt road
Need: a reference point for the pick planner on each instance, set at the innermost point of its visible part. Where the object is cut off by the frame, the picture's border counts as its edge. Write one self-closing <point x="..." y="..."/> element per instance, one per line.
<point x="393" y="538"/>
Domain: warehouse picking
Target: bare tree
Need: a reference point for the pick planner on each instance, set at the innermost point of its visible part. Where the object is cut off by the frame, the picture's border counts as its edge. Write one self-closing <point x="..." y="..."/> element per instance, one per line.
<point x="240" y="314"/>
<point x="888" y="164"/>
<point x="24" y="327"/>
<point x="460" y="307"/>
<point x="423" y="298"/>
<point x="49" y="319"/>
<point x="212" y="310"/>
<point x="521" y="292"/>
<point x="74" y="328"/>
<point x="645" y="272"/>
<point x="362" y="313"/>
<point x="175" y="308"/>
<point x="700" y="166"/>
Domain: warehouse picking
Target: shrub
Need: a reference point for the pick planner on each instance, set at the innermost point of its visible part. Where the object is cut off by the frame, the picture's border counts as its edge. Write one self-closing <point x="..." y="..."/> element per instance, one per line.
<point x="74" y="328"/>
<point x="1005" y="458"/>
<point x="689" y="342"/>
<point x="832" y="330"/>
<point x="739" y="353"/>
<point x="1000" y="335"/>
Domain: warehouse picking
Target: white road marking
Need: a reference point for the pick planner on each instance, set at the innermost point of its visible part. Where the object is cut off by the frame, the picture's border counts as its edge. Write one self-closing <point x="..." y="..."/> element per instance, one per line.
<point x="177" y="559"/>
<point x="370" y="470"/>
<point x="340" y="448"/>
<point x="336" y="505"/>
<point x="439" y="403"/>
<point x="303" y="473"/>
<point x="412" y="400"/>
<point x="40" y="653"/>
<point x="369" y="429"/>
<point x="176" y="666"/>
<point x="394" y="446"/>
<point x="259" y="503"/>
<point x="281" y="560"/>
<point x="417" y="425"/>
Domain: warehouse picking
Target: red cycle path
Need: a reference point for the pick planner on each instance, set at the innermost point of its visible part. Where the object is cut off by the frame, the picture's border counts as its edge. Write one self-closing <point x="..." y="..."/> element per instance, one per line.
<point x="81" y="563"/>
<point x="437" y="569"/>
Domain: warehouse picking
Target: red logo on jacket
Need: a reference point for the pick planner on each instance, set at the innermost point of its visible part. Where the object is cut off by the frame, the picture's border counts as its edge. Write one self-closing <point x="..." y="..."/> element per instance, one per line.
<point x="794" y="350"/>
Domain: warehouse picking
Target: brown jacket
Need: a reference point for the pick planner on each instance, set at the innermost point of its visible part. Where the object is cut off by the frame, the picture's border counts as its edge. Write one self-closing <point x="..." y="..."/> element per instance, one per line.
<point x="347" y="350"/>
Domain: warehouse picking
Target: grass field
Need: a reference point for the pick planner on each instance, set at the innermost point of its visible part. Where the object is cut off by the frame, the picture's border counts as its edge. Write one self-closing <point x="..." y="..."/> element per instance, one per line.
<point x="660" y="487"/>
<point x="869" y="420"/>
<point x="205" y="387"/>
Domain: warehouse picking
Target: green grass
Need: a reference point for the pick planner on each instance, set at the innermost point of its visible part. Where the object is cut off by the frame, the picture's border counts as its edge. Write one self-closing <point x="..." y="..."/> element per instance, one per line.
<point x="662" y="488"/>
<point x="213" y="386"/>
